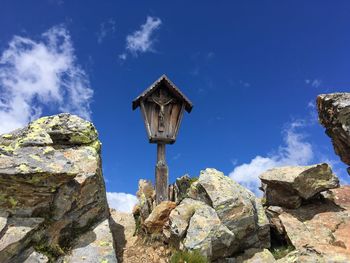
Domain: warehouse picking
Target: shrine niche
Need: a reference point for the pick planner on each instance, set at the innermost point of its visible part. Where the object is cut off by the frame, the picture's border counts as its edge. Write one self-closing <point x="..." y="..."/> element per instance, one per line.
<point x="162" y="106"/>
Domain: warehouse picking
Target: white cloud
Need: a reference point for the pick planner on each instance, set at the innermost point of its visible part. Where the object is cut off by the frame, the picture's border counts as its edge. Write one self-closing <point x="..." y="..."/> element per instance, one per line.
<point x="122" y="202"/>
<point x="38" y="74"/>
<point x="295" y="151"/>
<point x="141" y="40"/>
<point x="313" y="82"/>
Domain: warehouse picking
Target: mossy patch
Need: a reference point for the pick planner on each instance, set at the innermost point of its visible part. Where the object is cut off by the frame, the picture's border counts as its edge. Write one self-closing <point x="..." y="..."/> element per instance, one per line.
<point x="280" y="252"/>
<point x="53" y="252"/>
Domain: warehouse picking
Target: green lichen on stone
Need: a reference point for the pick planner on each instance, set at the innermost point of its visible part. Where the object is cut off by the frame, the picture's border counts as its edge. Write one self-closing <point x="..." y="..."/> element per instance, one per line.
<point x="53" y="252"/>
<point x="13" y="202"/>
<point x="7" y="136"/>
<point x="104" y="243"/>
<point x="220" y="207"/>
<point x="48" y="149"/>
<point x="104" y="260"/>
<point x="24" y="168"/>
<point x="280" y="252"/>
<point x="80" y="138"/>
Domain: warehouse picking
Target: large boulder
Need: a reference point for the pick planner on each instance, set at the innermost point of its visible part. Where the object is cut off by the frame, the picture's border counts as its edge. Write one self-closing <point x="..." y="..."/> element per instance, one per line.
<point x="51" y="188"/>
<point x="207" y="234"/>
<point x="219" y="217"/>
<point x="334" y="115"/>
<point x="238" y="208"/>
<point x="319" y="230"/>
<point x="288" y="186"/>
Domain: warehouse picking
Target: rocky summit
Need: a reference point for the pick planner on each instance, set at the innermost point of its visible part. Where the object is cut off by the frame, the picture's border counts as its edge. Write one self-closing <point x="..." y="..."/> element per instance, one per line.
<point x="53" y="205"/>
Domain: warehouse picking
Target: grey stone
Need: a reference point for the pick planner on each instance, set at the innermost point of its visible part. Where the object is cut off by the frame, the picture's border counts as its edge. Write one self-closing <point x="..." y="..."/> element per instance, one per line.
<point x="206" y="234"/>
<point x="94" y="246"/>
<point x="288" y="186"/>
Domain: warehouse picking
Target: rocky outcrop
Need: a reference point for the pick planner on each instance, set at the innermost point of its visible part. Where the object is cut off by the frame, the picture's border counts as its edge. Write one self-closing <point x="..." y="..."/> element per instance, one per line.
<point x="289" y="186"/>
<point x="218" y="217"/>
<point x="318" y="229"/>
<point x="52" y="193"/>
<point x="334" y="115"/>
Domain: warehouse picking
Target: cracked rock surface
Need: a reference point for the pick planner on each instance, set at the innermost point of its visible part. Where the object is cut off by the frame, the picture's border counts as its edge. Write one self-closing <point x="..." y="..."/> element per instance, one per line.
<point x="52" y="192"/>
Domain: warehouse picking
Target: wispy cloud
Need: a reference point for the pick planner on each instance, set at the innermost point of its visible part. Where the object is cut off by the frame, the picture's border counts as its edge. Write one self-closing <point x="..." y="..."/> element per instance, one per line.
<point x="315" y="83"/>
<point x="108" y="27"/>
<point x="142" y="40"/>
<point x="294" y="151"/>
<point x="122" y="202"/>
<point x="38" y="74"/>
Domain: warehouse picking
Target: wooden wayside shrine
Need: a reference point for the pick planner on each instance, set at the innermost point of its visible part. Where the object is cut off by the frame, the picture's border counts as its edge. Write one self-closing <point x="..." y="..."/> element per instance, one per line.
<point x="162" y="106"/>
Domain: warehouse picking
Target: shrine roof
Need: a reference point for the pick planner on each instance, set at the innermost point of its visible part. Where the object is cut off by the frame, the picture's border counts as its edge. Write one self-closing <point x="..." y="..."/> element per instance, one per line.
<point x="163" y="81"/>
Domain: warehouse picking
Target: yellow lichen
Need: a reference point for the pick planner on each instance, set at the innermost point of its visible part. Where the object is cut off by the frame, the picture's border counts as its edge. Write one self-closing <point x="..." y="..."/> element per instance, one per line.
<point x="24" y="168"/>
<point x="104" y="244"/>
<point x="35" y="157"/>
<point x="13" y="202"/>
<point x="7" y="136"/>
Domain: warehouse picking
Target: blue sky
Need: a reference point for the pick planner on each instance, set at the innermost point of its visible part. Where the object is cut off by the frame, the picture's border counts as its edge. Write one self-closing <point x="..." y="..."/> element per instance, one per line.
<point x="252" y="69"/>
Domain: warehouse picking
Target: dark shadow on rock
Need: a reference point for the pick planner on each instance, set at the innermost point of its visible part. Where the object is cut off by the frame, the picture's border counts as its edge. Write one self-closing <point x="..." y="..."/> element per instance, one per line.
<point x="118" y="232"/>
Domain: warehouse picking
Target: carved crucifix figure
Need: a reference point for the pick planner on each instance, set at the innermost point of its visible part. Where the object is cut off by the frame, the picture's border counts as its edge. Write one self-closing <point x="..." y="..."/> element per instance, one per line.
<point x="162" y="100"/>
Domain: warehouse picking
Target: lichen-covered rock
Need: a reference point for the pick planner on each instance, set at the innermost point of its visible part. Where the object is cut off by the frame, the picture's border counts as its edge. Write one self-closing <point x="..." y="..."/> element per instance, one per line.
<point x="321" y="227"/>
<point x="179" y="219"/>
<point x="238" y="209"/>
<point x="158" y="217"/>
<point x="252" y="255"/>
<point x="51" y="170"/>
<point x="219" y="217"/>
<point x="207" y="234"/>
<point x="178" y="190"/>
<point x="334" y="115"/>
<point x="288" y="186"/>
<point x="146" y="195"/>
<point x="93" y="246"/>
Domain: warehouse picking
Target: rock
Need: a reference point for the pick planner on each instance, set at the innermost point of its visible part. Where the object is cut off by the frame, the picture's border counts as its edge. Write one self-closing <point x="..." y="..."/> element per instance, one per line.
<point x="252" y="255"/>
<point x="36" y="257"/>
<point x="158" y="217"/>
<point x="311" y="255"/>
<point x="334" y="115"/>
<point x="17" y="235"/>
<point x="123" y="228"/>
<point x="146" y="196"/>
<point x="93" y="246"/>
<point x="51" y="170"/>
<point x="288" y="186"/>
<point x="3" y="220"/>
<point x="219" y="217"/>
<point x="179" y="220"/>
<point x="207" y="234"/>
<point x="181" y="186"/>
<point x="321" y="226"/>
<point x="237" y="208"/>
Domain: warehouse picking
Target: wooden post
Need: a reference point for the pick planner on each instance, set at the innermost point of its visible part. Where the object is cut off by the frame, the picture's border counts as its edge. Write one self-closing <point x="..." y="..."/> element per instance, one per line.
<point x="161" y="175"/>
